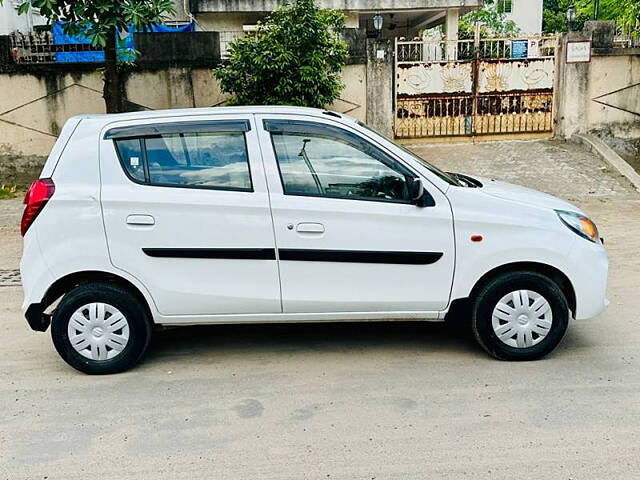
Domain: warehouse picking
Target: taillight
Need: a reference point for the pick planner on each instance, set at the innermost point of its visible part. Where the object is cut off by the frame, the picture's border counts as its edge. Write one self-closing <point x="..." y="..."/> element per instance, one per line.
<point x="36" y="198"/>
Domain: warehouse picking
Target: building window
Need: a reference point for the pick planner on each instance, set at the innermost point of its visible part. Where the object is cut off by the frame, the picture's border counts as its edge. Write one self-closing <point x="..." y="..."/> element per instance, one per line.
<point x="505" y="6"/>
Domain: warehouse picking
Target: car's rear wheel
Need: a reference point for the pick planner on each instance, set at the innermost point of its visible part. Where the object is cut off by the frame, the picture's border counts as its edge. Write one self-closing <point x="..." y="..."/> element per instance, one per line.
<point x="520" y="316"/>
<point x="100" y="328"/>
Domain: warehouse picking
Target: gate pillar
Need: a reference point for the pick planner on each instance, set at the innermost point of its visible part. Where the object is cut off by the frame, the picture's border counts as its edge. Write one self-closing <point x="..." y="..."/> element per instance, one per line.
<point x="380" y="84"/>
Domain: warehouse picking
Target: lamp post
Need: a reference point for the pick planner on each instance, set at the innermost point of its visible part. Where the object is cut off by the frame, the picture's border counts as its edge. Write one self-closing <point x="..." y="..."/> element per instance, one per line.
<point x="378" y="22"/>
<point x="571" y="16"/>
<point x="596" y="9"/>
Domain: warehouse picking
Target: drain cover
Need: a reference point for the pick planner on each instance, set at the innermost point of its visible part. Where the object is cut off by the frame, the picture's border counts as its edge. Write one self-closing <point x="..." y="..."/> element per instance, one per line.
<point x="10" y="278"/>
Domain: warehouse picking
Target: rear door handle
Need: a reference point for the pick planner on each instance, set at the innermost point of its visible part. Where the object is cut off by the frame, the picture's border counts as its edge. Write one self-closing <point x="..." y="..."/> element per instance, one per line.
<point x="310" y="228"/>
<point x="141" y="220"/>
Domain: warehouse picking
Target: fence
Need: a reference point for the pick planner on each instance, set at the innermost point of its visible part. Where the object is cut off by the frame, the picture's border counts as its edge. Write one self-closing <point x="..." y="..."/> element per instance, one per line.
<point x="193" y="49"/>
<point x="40" y="48"/>
<point x="493" y="114"/>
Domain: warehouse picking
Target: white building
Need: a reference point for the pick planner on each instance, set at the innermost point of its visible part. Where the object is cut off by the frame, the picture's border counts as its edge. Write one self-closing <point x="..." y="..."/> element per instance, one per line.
<point x="401" y="17"/>
<point x="527" y="14"/>
<point x="11" y="22"/>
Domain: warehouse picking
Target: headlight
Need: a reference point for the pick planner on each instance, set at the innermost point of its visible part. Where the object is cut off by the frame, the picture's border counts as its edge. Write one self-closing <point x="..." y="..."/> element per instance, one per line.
<point x="580" y="224"/>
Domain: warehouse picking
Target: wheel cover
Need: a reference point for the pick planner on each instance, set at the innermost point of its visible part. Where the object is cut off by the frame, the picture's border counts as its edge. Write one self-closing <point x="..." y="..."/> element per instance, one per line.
<point x="98" y="331"/>
<point x="522" y="319"/>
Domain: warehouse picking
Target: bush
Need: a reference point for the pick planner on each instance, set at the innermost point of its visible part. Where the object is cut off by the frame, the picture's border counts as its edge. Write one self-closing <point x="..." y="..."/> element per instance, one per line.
<point x="295" y="57"/>
<point x="7" y="192"/>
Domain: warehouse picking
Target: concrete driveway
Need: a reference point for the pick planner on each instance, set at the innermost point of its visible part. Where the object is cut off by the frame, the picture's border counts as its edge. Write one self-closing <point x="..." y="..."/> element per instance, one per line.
<point x="356" y="401"/>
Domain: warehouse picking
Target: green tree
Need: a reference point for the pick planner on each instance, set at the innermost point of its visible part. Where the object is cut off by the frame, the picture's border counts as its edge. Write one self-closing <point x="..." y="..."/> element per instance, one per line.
<point x="294" y="57"/>
<point x="554" y="16"/>
<point x="626" y="13"/>
<point x="492" y="21"/>
<point x="100" y="21"/>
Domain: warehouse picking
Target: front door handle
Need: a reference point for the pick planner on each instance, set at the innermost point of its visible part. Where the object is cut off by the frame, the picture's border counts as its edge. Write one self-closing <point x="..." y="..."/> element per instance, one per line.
<point x="310" y="228"/>
<point x="141" y="220"/>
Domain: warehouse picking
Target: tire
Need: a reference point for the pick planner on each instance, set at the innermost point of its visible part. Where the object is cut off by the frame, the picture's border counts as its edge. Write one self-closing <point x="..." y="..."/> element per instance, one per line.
<point x="109" y="325"/>
<point x="499" y="310"/>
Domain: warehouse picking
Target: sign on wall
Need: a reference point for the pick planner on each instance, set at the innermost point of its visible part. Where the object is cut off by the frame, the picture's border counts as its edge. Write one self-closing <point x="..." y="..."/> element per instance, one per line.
<point x="525" y="48"/>
<point x="579" y="52"/>
<point x="519" y="49"/>
<point x="534" y="48"/>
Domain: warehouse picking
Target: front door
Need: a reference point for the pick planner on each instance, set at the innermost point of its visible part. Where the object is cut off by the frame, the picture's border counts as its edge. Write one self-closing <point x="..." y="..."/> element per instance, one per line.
<point x="349" y="238"/>
<point x="186" y="212"/>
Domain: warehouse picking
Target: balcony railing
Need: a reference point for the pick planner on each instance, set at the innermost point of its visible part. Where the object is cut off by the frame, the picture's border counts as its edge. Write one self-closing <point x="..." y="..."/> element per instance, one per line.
<point x="627" y="41"/>
<point x="228" y="37"/>
<point x="196" y="49"/>
<point x="419" y="51"/>
<point x="40" y="48"/>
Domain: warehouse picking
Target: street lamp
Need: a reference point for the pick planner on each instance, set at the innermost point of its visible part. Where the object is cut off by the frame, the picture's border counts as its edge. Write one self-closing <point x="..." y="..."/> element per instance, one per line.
<point x="378" y="22"/>
<point x="571" y="16"/>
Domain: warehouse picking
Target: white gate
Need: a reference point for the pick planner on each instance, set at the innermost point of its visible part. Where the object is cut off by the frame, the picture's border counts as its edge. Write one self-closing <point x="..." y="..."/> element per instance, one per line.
<point x="474" y="87"/>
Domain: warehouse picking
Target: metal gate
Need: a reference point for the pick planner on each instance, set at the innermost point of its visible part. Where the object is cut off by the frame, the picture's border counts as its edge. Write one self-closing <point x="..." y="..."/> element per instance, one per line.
<point x="474" y="87"/>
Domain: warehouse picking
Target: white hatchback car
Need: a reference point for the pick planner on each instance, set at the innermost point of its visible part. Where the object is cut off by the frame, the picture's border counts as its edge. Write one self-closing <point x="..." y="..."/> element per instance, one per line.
<point x="279" y="214"/>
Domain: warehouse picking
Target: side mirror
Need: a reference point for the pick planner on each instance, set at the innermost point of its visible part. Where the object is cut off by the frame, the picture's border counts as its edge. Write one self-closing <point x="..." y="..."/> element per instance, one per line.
<point x="416" y="189"/>
<point x="419" y="196"/>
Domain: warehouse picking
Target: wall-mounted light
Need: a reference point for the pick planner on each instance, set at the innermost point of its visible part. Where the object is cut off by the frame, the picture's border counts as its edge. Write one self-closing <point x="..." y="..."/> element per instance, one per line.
<point x="571" y="16"/>
<point x="378" y="23"/>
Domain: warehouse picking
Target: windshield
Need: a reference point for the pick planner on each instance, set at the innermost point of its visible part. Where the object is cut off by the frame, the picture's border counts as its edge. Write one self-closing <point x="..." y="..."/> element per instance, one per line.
<point x="450" y="179"/>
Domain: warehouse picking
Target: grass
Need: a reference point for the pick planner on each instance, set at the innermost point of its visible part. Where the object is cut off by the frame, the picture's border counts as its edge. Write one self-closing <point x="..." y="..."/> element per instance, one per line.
<point x="7" y="192"/>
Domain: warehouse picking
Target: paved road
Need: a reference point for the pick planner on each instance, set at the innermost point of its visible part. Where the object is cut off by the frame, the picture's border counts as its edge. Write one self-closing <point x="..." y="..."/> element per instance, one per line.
<point x="357" y="401"/>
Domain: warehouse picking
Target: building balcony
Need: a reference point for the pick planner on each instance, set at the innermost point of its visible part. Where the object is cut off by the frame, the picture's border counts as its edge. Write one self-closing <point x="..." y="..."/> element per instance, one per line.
<point x="402" y="18"/>
<point x="243" y="6"/>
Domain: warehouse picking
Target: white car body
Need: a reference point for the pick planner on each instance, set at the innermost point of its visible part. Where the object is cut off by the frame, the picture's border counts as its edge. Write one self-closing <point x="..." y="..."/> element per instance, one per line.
<point x="99" y="221"/>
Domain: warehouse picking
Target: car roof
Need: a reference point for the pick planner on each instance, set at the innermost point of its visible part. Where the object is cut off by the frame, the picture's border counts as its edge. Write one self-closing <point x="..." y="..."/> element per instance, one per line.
<point x="185" y="112"/>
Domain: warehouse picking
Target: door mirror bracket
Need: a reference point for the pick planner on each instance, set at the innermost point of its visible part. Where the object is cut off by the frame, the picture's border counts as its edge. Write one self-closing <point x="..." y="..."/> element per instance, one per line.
<point x="419" y="196"/>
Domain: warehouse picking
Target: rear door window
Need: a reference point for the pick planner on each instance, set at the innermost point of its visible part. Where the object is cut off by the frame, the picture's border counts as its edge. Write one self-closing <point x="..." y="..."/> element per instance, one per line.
<point x="214" y="156"/>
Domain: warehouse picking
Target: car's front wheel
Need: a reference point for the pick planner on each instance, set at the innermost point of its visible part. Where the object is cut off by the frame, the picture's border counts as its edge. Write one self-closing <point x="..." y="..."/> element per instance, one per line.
<point x="520" y="316"/>
<point x="100" y="328"/>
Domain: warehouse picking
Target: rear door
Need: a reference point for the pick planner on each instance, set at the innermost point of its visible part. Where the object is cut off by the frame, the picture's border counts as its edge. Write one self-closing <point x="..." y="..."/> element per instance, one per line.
<point x="348" y="236"/>
<point x="186" y="212"/>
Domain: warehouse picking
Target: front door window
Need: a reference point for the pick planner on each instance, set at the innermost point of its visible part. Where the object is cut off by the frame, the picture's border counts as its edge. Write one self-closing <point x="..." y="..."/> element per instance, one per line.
<point x="317" y="160"/>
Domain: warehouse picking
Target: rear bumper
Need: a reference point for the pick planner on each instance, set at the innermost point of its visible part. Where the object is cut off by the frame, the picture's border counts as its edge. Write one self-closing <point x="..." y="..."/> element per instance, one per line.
<point x="36" y="280"/>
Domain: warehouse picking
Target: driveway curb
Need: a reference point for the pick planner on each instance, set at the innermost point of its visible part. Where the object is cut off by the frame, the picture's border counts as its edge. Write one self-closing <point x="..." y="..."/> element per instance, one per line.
<point x="608" y="155"/>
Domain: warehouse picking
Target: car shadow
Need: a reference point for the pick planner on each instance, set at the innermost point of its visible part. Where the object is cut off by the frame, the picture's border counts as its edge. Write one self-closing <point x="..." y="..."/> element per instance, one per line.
<point x="258" y="339"/>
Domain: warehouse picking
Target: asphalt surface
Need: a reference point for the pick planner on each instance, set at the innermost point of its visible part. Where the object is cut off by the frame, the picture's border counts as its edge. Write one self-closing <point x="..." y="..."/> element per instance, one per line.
<point x="351" y="401"/>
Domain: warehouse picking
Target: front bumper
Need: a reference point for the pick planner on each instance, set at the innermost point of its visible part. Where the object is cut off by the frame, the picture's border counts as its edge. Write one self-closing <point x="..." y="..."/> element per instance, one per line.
<point x="37" y="319"/>
<point x="588" y="273"/>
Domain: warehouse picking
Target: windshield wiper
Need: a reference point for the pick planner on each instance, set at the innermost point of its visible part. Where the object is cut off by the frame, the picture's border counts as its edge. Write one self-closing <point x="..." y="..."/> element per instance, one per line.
<point x="314" y="174"/>
<point x="465" y="180"/>
<point x="458" y="179"/>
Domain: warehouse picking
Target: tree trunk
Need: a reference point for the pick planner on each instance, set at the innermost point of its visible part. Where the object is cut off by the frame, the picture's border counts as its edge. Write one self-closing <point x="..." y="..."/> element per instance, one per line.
<point x="111" y="91"/>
